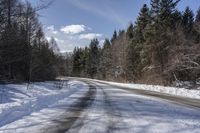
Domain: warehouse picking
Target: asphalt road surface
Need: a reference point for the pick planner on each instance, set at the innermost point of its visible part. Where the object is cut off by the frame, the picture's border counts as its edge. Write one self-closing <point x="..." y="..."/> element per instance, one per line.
<point x="111" y="109"/>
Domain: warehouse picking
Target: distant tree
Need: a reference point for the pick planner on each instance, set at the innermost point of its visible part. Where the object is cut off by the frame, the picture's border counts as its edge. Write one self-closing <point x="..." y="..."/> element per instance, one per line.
<point x="130" y="31"/>
<point x="92" y="64"/>
<point x="39" y="37"/>
<point x="76" y="62"/>
<point x="197" y="19"/>
<point x="106" y="60"/>
<point x="114" y="37"/>
<point x="162" y="17"/>
<point x="197" y="26"/>
<point x="135" y="52"/>
<point x="142" y="21"/>
<point x="68" y="66"/>
<point x="53" y="45"/>
<point x="188" y="21"/>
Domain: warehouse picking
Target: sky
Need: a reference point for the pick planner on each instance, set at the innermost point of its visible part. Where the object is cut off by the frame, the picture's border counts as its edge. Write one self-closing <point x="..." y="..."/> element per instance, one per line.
<point x="73" y="23"/>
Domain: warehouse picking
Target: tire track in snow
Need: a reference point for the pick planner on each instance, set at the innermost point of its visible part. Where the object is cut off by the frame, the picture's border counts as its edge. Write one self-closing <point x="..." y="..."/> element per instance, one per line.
<point x="73" y="112"/>
<point x="114" y="115"/>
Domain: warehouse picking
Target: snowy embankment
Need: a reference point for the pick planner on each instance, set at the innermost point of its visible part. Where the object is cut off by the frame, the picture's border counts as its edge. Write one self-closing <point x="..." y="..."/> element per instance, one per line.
<point x="183" y="92"/>
<point x="162" y="89"/>
<point x="16" y="101"/>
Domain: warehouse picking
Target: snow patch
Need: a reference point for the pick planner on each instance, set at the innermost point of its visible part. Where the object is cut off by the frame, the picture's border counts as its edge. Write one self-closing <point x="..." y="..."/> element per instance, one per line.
<point x="17" y="102"/>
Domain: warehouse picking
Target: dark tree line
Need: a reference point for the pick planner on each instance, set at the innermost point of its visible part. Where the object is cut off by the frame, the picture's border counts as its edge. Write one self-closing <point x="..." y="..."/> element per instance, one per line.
<point x="162" y="46"/>
<point x="25" y="54"/>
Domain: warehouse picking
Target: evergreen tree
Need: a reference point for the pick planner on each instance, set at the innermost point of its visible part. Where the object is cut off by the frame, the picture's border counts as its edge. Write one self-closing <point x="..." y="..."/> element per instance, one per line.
<point x="162" y="12"/>
<point x="188" y="20"/>
<point x="162" y="17"/>
<point x="93" y="58"/>
<point x="135" y="51"/>
<point x="197" y="19"/>
<point x="105" y="60"/>
<point x="142" y="21"/>
<point x="129" y="32"/>
<point x="76" y="62"/>
<point x="114" y="37"/>
<point x="197" y="26"/>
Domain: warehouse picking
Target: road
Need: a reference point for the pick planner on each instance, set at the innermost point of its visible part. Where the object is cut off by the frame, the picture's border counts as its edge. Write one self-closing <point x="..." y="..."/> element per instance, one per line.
<point x="110" y="109"/>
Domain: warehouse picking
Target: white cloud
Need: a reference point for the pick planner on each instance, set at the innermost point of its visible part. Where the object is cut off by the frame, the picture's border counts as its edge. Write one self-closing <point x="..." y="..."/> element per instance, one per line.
<point x="78" y="36"/>
<point x="52" y="29"/>
<point x="73" y="29"/>
<point x="90" y="36"/>
<point x="59" y="40"/>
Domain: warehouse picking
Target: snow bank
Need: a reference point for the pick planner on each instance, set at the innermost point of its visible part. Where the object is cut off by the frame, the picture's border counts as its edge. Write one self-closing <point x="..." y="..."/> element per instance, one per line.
<point x="183" y="92"/>
<point x="161" y="89"/>
<point x="16" y="101"/>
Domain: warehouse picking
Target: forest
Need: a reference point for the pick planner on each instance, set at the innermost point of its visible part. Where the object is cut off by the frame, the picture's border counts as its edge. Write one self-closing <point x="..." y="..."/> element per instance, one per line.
<point x="161" y="47"/>
<point x="25" y="53"/>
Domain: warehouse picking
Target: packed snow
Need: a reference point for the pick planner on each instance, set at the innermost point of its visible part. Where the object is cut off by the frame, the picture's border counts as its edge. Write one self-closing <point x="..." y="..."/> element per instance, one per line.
<point x="18" y="102"/>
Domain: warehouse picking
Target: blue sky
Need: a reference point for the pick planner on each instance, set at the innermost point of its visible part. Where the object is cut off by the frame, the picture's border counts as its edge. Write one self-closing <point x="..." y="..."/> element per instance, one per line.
<point x="76" y="22"/>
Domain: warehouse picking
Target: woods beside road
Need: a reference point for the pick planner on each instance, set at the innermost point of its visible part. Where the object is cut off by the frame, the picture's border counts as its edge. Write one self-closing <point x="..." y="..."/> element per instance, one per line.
<point x="161" y="47"/>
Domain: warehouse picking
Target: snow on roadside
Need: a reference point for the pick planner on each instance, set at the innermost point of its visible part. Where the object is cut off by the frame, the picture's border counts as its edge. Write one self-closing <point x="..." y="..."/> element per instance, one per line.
<point x="183" y="92"/>
<point x="162" y="89"/>
<point x="16" y="101"/>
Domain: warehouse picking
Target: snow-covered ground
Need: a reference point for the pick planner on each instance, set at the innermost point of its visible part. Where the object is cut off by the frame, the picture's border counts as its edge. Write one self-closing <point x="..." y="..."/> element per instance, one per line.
<point x="16" y="102"/>
<point x="47" y="109"/>
<point x="162" y="89"/>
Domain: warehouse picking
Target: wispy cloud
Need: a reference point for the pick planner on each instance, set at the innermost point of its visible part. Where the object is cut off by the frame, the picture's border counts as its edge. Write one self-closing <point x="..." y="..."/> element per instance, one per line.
<point x="105" y="11"/>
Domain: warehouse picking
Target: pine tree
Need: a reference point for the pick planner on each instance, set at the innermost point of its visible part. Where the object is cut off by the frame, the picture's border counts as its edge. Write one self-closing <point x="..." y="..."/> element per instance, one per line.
<point x="76" y="62"/>
<point x="162" y="17"/>
<point x="135" y="52"/>
<point x="162" y="11"/>
<point x="105" y="60"/>
<point x="93" y="58"/>
<point x="129" y="32"/>
<point x="142" y="21"/>
<point x="114" y="37"/>
<point x="197" y="19"/>
<point x="197" y="26"/>
<point x="188" y="20"/>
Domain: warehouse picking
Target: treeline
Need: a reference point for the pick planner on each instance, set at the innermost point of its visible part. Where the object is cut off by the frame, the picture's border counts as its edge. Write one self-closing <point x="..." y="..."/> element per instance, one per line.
<point x="162" y="46"/>
<point x="25" y="54"/>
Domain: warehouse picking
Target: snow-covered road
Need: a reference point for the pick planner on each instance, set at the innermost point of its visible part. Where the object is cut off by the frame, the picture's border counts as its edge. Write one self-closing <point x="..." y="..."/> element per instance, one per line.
<point x="101" y="108"/>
